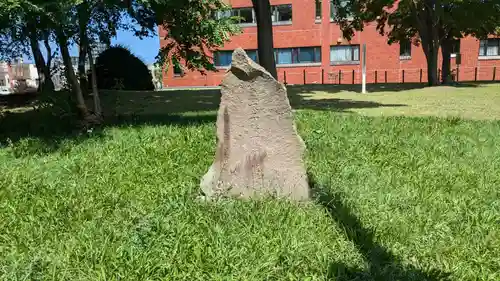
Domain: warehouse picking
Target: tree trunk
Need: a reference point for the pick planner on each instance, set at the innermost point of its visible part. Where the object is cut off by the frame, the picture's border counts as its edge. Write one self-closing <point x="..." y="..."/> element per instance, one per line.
<point x="83" y="20"/>
<point x="71" y="76"/>
<point x="265" y="35"/>
<point x="432" y="63"/>
<point x="50" y="56"/>
<point x="426" y="22"/>
<point x="446" y="46"/>
<point x="45" y="79"/>
<point x="430" y="44"/>
<point x="95" y="90"/>
<point x="82" y="58"/>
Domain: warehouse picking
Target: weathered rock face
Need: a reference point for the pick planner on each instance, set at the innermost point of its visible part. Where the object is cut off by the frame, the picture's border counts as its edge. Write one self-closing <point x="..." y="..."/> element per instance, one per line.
<point x="259" y="152"/>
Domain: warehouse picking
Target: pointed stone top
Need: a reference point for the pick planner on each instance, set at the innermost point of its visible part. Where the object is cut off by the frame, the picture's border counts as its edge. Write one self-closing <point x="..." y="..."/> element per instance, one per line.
<point x="240" y="56"/>
<point x="241" y="62"/>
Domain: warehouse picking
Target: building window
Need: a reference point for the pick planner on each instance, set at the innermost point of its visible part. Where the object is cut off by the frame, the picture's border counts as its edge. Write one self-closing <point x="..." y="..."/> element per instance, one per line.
<point x="223" y="14"/>
<point x="318" y="10"/>
<point x="178" y="70"/>
<point x="344" y="54"/>
<point x="405" y="49"/>
<point x="224" y="58"/>
<point x="245" y="15"/>
<point x="489" y="47"/>
<point x="336" y="6"/>
<point x="253" y="55"/>
<point x="282" y="13"/>
<point x="74" y="61"/>
<point x="279" y="13"/>
<point x="455" y="48"/>
<point x="297" y="55"/>
<point x="2" y="83"/>
<point x="242" y="15"/>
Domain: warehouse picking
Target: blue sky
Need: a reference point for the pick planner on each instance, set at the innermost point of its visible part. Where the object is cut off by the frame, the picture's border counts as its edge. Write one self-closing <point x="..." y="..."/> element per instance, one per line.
<point x="146" y="49"/>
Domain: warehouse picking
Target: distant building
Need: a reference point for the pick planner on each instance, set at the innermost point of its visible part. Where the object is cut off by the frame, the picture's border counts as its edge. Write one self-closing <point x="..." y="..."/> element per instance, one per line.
<point x="4" y="74"/>
<point x="97" y="49"/>
<point x="156" y="74"/>
<point x="59" y="78"/>
<point x="5" y="87"/>
<point x="74" y="63"/>
<point x="18" y="77"/>
<point x="24" y="76"/>
<point x="310" y="48"/>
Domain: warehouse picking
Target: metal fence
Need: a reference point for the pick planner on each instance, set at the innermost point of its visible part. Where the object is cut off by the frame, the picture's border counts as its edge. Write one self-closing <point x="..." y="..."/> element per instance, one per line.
<point x="334" y="75"/>
<point x="380" y="76"/>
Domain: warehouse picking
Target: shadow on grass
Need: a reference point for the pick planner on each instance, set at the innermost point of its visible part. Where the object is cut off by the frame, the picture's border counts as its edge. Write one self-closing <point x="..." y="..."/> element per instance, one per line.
<point x="122" y="108"/>
<point x="382" y="264"/>
<point x="370" y="88"/>
<point x="38" y="132"/>
<point x="181" y="101"/>
<point x="17" y="100"/>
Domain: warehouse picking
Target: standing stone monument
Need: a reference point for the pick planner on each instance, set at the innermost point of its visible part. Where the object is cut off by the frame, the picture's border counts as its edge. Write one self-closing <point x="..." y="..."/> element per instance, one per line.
<point x="259" y="152"/>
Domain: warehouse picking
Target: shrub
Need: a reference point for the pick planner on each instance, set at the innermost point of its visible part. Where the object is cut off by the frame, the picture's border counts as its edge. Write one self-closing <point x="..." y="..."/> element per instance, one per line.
<point x="118" y="69"/>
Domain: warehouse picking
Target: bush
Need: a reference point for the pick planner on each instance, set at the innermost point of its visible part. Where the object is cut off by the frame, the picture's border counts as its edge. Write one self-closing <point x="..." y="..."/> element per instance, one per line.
<point x="118" y="69"/>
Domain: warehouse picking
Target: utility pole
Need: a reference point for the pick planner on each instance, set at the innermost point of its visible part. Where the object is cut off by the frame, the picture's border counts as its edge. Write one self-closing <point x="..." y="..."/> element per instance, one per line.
<point x="363" y="75"/>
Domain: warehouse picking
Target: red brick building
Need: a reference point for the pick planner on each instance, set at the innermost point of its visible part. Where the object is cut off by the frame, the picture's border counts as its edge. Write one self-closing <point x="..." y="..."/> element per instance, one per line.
<point x="309" y="48"/>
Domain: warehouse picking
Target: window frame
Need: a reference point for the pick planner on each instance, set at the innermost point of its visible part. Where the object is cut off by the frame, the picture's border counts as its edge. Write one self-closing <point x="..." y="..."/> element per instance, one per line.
<point x="231" y="13"/>
<point x="318" y="8"/>
<point x="181" y="71"/>
<point x="484" y="54"/>
<point x="456" y="42"/>
<point x="275" y="14"/>
<point x="217" y="54"/>
<point x="334" y="4"/>
<point x="352" y="61"/>
<point x="405" y="46"/>
<point x="239" y="9"/>
<point x="231" y="54"/>
<point x="295" y="58"/>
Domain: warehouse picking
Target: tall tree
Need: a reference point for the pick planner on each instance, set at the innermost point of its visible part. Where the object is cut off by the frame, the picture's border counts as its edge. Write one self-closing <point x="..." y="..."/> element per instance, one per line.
<point x="21" y="29"/>
<point x="35" y="34"/>
<point x="192" y="29"/>
<point x="84" y="11"/>
<point x="80" y="21"/>
<point x="62" y="22"/>
<point x="265" y="35"/>
<point x="465" y="18"/>
<point x="95" y="91"/>
<point x="429" y="23"/>
<point x="405" y="18"/>
<point x="98" y="22"/>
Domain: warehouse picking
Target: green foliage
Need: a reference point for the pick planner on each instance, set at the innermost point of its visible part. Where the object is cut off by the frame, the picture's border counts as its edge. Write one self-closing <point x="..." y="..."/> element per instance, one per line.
<point x="403" y="20"/>
<point x="431" y="23"/>
<point x="117" y="68"/>
<point x="14" y="34"/>
<point x="192" y="29"/>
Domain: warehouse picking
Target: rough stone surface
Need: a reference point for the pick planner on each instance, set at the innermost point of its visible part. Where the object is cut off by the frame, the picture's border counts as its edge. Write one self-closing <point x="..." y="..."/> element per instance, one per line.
<point x="259" y="152"/>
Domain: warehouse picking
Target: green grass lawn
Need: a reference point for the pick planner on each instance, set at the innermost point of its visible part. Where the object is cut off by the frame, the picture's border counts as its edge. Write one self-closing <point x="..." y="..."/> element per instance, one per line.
<point x="399" y="198"/>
